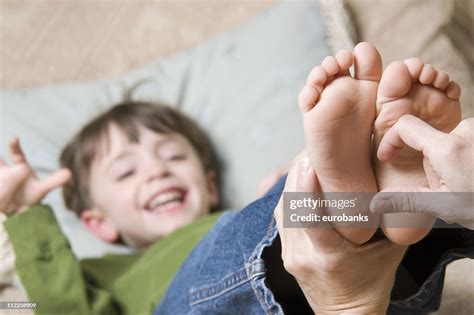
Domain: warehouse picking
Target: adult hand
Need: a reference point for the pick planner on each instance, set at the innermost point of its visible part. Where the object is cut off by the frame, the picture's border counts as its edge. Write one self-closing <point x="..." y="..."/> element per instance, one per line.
<point x="449" y="166"/>
<point x="335" y="275"/>
<point x="19" y="187"/>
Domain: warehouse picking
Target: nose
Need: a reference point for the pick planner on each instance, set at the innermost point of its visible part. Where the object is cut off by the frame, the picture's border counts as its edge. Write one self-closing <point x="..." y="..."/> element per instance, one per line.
<point x="156" y="169"/>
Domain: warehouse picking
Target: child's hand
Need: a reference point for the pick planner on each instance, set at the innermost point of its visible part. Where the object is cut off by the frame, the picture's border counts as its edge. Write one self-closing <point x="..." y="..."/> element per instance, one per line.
<point x="269" y="180"/>
<point x="19" y="187"/>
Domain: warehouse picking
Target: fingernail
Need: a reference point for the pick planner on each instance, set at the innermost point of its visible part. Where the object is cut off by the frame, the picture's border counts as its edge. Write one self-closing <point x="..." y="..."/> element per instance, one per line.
<point x="305" y="162"/>
<point x="306" y="170"/>
<point x="381" y="205"/>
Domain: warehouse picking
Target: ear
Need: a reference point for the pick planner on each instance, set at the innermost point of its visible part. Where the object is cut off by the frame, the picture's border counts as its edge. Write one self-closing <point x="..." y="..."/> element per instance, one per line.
<point x="212" y="187"/>
<point x="97" y="222"/>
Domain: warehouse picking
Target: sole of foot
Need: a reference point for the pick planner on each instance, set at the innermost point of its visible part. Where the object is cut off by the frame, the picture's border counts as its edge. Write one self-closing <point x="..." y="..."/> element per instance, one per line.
<point x="338" y="115"/>
<point x="411" y="87"/>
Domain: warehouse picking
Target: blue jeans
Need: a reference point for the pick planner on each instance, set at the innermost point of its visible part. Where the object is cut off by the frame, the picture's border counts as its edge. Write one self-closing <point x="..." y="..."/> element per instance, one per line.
<point x="226" y="273"/>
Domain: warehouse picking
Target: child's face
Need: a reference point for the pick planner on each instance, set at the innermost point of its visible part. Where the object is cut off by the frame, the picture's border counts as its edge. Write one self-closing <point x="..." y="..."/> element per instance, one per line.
<point x="146" y="190"/>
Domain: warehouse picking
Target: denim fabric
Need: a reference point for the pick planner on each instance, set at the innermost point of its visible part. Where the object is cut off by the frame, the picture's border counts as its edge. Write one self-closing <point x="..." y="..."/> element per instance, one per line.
<point x="225" y="273"/>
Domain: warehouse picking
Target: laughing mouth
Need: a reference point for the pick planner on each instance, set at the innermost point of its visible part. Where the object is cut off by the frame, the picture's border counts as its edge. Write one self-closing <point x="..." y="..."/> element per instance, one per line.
<point x="165" y="201"/>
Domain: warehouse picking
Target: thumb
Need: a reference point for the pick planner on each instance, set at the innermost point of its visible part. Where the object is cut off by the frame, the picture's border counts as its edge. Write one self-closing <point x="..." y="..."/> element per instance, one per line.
<point x="411" y="200"/>
<point x="451" y="207"/>
<point x="55" y="180"/>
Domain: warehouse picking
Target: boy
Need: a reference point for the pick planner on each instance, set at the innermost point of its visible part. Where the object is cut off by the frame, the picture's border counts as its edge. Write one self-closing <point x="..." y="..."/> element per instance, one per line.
<point x="134" y="174"/>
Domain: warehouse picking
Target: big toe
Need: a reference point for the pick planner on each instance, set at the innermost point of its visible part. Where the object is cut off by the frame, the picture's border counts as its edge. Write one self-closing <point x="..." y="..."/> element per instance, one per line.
<point x="395" y="82"/>
<point x="367" y="62"/>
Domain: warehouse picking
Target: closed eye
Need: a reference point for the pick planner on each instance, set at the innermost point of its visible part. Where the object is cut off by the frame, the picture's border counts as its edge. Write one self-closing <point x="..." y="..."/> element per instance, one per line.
<point x="126" y="175"/>
<point x="176" y="157"/>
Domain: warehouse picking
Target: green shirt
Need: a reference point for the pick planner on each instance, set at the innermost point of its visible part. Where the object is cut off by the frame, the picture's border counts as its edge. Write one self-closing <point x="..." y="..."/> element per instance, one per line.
<point x="114" y="284"/>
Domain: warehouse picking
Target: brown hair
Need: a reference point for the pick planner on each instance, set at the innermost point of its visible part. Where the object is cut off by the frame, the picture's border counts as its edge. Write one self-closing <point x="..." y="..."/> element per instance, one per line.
<point x="82" y="149"/>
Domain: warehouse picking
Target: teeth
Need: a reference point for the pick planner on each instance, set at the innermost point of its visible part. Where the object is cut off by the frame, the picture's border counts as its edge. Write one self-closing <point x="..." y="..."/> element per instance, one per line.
<point x="166" y="198"/>
<point x="168" y="205"/>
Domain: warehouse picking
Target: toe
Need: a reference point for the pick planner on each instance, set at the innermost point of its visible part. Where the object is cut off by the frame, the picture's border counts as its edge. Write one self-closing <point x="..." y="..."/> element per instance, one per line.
<point x="330" y="65"/>
<point x="441" y="81"/>
<point x="427" y="75"/>
<point x="317" y="76"/>
<point x="367" y="62"/>
<point x="345" y="59"/>
<point x="395" y="82"/>
<point x="414" y="66"/>
<point x="307" y="98"/>
<point x="453" y="90"/>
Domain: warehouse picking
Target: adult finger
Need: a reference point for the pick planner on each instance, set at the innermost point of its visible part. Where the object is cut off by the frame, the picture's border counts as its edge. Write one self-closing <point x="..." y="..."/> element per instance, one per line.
<point x="288" y="236"/>
<point x="302" y="178"/>
<point x="450" y="207"/>
<point x="412" y="131"/>
<point x="400" y="199"/>
<point x="322" y="237"/>
<point x="290" y="186"/>
<point x="297" y="247"/>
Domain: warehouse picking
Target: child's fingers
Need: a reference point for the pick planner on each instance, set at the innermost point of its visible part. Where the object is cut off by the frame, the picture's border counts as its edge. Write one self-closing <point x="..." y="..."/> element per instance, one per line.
<point x="16" y="153"/>
<point x="2" y="162"/>
<point x="11" y="179"/>
<point x="55" y="180"/>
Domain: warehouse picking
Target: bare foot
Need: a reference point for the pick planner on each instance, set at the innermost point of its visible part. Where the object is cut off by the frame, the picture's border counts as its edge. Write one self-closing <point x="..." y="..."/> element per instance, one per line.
<point x="411" y="87"/>
<point x="338" y="115"/>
